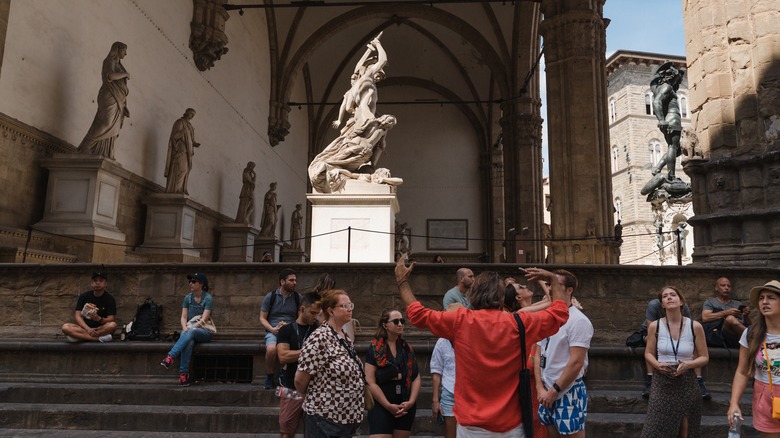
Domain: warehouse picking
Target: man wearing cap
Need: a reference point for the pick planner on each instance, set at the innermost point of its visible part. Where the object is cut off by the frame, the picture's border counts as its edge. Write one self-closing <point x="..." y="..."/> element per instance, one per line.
<point x="724" y="319"/>
<point x="279" y="308"/>
<point x="95" y="314"/>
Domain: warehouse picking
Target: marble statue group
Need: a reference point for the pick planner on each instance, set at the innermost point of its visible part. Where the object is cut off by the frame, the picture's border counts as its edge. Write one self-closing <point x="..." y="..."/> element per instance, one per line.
<point x="356" y="151"/>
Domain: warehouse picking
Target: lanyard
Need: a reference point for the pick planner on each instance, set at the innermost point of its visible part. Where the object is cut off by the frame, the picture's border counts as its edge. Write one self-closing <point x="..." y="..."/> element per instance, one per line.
<point x="675" y="348"/>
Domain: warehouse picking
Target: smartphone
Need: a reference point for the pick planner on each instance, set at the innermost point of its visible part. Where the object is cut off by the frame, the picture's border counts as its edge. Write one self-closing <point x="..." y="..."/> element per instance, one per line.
<point x="440" y="418"/>
<point x="742" y="307"/>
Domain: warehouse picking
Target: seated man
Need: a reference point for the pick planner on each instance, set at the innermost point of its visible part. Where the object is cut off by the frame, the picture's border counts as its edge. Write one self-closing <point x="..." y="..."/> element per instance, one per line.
<point x="655" y="312"/>
<point x="95" y="314"/>
<point x="724" y="319"/>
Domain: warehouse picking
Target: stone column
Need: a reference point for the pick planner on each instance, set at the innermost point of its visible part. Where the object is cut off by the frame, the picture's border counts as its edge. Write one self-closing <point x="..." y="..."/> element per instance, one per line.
<point x="578" y="134"/>
<point x="734" y="79"/>
<point x="522" y="128"/>
<point x="5" y="7"/>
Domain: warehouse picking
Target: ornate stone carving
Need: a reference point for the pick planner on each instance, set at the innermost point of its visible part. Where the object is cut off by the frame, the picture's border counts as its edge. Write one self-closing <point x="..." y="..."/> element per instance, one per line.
<point x="268" y="225"/>
<point x="278" y="125"/>
<point x="246" y="200"/>
<point x="208" y="40"/>
<point x="181" y="148"/>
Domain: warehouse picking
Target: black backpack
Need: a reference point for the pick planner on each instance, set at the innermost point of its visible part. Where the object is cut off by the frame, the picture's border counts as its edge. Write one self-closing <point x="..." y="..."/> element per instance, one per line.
<point x="146" y="324"/>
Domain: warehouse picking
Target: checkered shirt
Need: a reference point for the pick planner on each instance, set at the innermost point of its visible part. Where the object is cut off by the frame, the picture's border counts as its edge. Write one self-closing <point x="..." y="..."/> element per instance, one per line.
<point x="336" y="387"/>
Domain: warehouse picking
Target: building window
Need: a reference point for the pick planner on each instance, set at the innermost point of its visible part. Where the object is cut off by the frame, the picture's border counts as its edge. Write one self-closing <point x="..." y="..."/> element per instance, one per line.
<point x="618" y="208"/>
<point x="615" y="158"/>
<point x="612" y="110"/>
<point x="683" y="101"/>
<point x="649" y="102"/>
<point x="655" y="151"/>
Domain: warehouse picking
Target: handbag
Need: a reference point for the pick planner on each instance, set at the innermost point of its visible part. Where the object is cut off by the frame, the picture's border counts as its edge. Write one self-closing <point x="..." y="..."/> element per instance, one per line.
<point x="775" y="400"/>
<point x="209" y="326"/>
<point x="525" y="383"/>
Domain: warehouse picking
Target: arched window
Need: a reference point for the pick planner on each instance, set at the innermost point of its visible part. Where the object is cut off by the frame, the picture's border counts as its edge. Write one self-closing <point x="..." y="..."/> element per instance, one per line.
<point x="615" y="158"/>
<point x="612" y="110"/>
<point x="683" y="101"/>
<point x="654" y="148"/>
<point x="649" y="102"/>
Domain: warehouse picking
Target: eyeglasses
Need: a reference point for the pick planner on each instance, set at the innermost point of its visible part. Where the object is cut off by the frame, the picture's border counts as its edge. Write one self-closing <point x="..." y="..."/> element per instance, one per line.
<point x="347" y="306"/>
<point x="194" y="281"/>
<point x="398" y="321"/>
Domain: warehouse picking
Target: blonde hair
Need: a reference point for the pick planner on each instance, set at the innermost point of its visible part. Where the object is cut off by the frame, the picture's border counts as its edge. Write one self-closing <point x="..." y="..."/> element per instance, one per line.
<point x="330" y="299"/>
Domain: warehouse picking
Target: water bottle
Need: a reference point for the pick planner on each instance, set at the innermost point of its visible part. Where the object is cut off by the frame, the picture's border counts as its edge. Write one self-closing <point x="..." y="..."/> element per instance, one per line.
<point x="283" y="391"/>
<point x="734" y="430"/>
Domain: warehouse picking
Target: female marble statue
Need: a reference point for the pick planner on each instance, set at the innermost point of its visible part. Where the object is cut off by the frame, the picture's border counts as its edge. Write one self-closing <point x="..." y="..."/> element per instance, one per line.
<point x="181" y="146"/>
<point x="112" y="105"/>
<point x="246" y="200"/>
<point x="296" y="227"/>
<point x="268" y="225"/>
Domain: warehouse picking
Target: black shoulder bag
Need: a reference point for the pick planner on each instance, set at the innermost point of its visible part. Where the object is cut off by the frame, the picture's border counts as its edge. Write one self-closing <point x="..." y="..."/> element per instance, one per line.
<point x="525" y="383"/>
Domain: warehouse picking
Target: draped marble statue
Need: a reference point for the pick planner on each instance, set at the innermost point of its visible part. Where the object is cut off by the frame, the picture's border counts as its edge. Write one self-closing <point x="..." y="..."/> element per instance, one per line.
<point x="181" y="148"/>
<point x="268" y="225"/>
<point x="361" y="141"/>
<point x="296" y="227"/>
<point x="112" y="105"/>
<point x="246" y="200"/>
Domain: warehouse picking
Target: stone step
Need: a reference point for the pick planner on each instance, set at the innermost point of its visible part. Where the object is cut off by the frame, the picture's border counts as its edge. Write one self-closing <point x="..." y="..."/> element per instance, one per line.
<point x="158" y="418"/>
<point x="630" y="426"/>
<point x="631" y="402"/>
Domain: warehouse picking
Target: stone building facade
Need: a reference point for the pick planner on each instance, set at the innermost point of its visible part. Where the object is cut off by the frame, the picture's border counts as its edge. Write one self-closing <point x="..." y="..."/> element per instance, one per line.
<point x="733" y="54"/>
<point x="636" y="146"/>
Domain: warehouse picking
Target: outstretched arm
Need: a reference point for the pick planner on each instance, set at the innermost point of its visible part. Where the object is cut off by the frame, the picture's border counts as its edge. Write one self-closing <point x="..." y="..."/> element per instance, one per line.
<point x="402" y="273"/>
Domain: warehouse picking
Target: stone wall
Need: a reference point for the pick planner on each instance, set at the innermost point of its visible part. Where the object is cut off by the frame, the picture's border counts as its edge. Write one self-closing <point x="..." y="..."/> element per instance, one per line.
<point x="734" y="68"/>
<point x="39" y="298"/>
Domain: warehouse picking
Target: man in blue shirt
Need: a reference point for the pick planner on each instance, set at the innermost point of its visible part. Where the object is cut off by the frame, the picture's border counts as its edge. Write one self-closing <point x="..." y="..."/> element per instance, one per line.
<point x="279" y="308"/>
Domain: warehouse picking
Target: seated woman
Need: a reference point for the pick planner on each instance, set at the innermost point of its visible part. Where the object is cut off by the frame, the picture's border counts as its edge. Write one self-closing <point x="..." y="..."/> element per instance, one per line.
<point x="393" y="377"/>
<point x="197" y="303"/>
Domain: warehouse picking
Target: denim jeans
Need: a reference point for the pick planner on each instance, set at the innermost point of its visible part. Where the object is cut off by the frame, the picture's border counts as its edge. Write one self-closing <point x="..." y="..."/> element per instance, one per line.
<point x="184" y="346"/>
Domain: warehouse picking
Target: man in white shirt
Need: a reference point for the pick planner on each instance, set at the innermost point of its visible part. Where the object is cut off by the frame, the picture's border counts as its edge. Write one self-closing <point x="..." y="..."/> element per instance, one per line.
<point x="561" y="361"/>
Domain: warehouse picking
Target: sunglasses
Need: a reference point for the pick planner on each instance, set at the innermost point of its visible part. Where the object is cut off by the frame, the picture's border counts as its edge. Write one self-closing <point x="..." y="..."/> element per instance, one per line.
<point x="194" y="281"/>
<point x="347" y="306"/>
<point x="398" y="321"/>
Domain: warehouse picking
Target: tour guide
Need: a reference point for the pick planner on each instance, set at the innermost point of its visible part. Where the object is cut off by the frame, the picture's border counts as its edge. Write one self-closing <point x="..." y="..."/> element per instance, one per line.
<point x="487" y="350"/>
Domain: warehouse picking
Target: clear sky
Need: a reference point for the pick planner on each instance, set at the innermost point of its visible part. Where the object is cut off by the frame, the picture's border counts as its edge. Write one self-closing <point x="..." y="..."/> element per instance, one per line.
<point x="642" y="25"/>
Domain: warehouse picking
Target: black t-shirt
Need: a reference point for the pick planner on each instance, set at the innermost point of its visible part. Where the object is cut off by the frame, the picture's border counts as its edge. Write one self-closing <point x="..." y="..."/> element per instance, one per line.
<point x="105" y="304"/>
<point x="290" y="334"/>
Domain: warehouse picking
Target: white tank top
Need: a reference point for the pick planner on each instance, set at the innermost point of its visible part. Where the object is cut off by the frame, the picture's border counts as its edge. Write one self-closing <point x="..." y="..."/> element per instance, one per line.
<point x="666" y="345"/>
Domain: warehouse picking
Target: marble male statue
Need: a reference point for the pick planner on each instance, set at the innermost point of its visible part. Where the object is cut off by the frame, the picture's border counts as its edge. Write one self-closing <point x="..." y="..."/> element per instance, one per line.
<point x="180" y="151"/>
<point x="112" y="105"/>
<point x="246" y="200"/>
<point x="268" y="225"/>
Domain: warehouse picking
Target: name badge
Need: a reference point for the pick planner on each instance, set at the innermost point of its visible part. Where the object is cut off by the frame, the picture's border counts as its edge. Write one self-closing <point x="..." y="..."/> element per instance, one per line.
<point x="398" y="389"/>
<point x="542" y="361"/>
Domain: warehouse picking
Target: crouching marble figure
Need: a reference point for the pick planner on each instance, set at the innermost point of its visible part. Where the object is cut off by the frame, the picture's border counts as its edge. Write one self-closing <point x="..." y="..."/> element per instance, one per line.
<point x="355" y="153"/>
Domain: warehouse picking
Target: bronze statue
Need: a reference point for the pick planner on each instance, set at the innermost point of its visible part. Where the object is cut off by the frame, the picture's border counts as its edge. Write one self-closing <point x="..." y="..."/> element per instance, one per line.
<point x="667" y="110"/>
<point x="112" y="105"/>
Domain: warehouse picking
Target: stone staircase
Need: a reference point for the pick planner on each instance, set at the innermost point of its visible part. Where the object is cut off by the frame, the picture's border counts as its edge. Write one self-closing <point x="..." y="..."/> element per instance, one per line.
<point x="52" y="388"/>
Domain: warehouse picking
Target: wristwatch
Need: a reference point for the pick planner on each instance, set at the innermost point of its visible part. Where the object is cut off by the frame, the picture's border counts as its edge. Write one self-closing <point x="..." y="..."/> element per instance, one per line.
<point x="556" y="387"/>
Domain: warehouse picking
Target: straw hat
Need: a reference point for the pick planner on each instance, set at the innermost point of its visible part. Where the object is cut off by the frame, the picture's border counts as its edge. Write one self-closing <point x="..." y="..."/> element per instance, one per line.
<point x="772" y="286"/>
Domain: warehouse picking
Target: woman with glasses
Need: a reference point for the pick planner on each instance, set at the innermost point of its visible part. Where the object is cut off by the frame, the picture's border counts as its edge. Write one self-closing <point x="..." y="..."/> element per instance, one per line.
<point x="330" y="374"/>
<point x="393" y="377"/>
<point x="197" y="303"/>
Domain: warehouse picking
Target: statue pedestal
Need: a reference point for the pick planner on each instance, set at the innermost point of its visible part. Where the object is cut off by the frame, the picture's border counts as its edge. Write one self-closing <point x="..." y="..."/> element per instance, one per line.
<point x="82" y="196"/>
<point x="170" y="228"/>
<point x="82" y="199"/>
<point x="369" y="209"/>
<point x="237" y="243"/>
<point x="293" y="255"/>
<point x="266" y="244"/>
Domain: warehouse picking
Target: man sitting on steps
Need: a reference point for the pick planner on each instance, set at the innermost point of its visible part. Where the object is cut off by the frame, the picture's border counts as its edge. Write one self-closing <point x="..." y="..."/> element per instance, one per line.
<point x="95" y="314"/>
